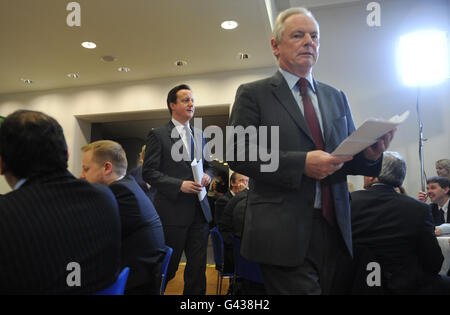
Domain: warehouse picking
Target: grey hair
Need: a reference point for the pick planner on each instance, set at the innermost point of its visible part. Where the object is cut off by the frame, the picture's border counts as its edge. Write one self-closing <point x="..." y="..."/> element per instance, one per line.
<point x="278" y="28"/>
<point x="393" y="170"/>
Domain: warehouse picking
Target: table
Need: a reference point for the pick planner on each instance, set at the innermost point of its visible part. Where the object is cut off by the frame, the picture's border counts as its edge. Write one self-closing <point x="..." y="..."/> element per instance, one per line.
<point x="445" y="247"/>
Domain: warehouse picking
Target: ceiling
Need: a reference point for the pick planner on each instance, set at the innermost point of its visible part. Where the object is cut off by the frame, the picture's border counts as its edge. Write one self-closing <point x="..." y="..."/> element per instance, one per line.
<point x="148" y="36"/>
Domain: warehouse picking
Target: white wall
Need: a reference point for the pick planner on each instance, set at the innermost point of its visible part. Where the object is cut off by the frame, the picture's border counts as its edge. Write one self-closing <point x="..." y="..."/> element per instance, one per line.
<point x="354" y="57"/>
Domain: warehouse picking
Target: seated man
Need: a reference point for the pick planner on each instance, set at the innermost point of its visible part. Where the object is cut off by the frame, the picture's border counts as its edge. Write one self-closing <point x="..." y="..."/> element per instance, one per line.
<point x="59" y="234"/>
<point x="142" y="234"/>
<point x="438" y="189"/>
<point x="238" y="182"/>
<point x="399" y="232"/>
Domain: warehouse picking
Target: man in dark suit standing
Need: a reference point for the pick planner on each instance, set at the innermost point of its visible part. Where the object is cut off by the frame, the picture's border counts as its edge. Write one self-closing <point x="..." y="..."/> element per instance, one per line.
<point x="185" y="220"/>
<point x="142" y="247"/>
<point x="399" y="233"/>
<point x="59" y="234"/>
<point x="298" y="216"/>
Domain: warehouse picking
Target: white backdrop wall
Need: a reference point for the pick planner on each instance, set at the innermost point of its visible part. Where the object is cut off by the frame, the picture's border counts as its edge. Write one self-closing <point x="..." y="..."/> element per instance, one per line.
<point x="354" y="57"/>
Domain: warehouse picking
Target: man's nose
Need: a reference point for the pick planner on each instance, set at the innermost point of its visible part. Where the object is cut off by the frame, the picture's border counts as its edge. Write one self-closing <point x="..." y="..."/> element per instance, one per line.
<point x="308" y="39"/>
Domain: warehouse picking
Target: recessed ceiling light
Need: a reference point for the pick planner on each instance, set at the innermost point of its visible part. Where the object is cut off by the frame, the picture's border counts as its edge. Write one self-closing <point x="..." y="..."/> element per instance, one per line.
<point x="27" y="81"/>
<point x="109" y="58"/>
<point x="180" y="63"/>
<point x="88" y="45"/>
<point x="73" y="75"/>
<point x="229" y="25"/>
<point x="124" y="69"/>
<point x="243" y="56"/>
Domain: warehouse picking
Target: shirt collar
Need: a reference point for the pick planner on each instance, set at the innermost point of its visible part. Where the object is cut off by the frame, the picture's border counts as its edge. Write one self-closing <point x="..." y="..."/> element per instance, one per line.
<point x="292" y="79"/>
<point x="179" y="125"/>
<point x="20" y="183"/>
<point x="445" y="206"/>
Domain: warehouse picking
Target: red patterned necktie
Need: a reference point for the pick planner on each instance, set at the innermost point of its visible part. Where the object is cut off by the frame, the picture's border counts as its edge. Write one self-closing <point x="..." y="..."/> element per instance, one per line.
<point x="314" y="127"/>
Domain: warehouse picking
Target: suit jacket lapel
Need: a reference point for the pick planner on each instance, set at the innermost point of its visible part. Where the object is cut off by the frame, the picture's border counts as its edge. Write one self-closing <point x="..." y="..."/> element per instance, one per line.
<point x="284" y="95"/>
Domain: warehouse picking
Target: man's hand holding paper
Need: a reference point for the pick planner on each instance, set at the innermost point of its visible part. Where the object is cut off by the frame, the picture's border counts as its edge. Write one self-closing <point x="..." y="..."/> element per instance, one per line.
<point x="375" y="151"/>
<point x="320" y="164"/>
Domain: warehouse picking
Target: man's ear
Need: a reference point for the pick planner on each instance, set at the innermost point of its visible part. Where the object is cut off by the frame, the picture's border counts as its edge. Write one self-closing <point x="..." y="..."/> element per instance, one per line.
<point x="109" y="168"/>
<point x="274" y="44"/>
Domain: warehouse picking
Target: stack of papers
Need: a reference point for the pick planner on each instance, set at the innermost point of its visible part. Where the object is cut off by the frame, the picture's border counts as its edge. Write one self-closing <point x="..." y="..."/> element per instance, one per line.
<point x="369" y="133"/>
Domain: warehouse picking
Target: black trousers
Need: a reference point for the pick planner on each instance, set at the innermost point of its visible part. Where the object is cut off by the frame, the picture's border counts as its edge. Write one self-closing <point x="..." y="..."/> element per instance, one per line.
<point x="317" y="272"/>
<point x="193" y="240"/>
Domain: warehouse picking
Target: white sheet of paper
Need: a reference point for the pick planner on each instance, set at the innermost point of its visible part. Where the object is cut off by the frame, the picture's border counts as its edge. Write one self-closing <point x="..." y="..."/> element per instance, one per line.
<point x="197" y="171"/>
<point x="368" y="133"/>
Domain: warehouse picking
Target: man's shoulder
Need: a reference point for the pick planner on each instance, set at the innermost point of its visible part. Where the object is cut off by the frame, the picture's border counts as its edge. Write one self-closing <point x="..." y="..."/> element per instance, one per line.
<point x="326" y="88"/>
<point x="56" y="193"/>
<point x="161" y="130"/>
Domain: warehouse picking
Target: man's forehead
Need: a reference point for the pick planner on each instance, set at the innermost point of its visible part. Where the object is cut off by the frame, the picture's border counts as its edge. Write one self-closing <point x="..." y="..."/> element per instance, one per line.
<point x="301" y="22"/>
<point x="184" y="93"/>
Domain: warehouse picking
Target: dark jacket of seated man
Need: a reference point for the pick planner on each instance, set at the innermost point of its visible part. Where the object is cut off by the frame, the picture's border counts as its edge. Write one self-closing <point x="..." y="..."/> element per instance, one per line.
<point x="143" y="242"/>
<point x="58" y="234"/>
<point x="398" y="230"/>
<point x="142" y="234"/>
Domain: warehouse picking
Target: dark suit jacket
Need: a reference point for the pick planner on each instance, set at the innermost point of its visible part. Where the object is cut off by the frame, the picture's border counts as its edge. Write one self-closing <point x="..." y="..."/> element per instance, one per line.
<point x="399" y="232"/>
<point x="174" y="207"/>
<point x="279" y="212"/>
<point x="219" y="206"/>
<point x="142" y="233"/>
<point x="437" y="217"/>
<point x="51" y="221"/>
<point x="232" y="220"/>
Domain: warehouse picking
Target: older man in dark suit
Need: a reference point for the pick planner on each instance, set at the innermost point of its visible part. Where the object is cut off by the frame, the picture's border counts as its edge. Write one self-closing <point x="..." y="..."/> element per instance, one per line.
<point x="298" y="216"/>
<point x="142" y="247"/>
<point x="184" y="218"/>
<point x="52" y="224"/>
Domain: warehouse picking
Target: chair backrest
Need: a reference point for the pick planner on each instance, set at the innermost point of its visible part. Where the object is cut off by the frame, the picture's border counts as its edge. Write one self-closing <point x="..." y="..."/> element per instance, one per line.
<point x="118" y="287"/>
<point x="164" y="265"/>
<point x="217" y="243"/>
<point x="244" y="268"/>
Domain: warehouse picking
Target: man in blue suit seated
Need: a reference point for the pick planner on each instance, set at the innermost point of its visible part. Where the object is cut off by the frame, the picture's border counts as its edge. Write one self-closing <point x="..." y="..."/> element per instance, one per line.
<point x="142" y="234"/>
<point x="59" y="234"/>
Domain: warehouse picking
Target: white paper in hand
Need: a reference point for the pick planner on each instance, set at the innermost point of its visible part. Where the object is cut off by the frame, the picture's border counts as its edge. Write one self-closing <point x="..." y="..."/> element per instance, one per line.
<point x="197" y="171"/>
<point x="369" y="133"/>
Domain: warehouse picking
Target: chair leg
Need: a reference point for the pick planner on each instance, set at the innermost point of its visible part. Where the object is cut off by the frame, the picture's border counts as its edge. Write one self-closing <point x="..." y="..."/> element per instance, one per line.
<point x="217" y="287"/>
